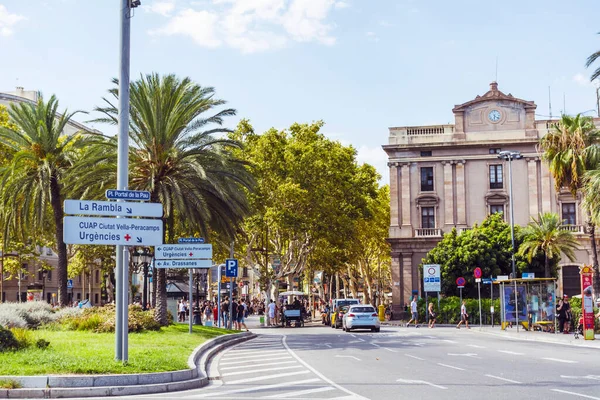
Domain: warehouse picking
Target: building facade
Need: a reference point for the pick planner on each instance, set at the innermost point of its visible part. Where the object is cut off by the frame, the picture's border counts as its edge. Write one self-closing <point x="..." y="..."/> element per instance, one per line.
<point x="449" y="176"/>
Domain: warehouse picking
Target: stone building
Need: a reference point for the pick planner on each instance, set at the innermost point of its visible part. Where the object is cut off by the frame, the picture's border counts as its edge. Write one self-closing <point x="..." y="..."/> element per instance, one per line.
<point x="84" y="286"/>
<point x="446" y="176"/>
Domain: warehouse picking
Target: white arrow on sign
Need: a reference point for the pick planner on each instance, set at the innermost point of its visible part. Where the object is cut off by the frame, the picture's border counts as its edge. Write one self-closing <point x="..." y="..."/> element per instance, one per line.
<point x="113" y="208"/>
<point x="113" y="231"/>
<point x="183" y="263"/>
<point x="183" y="251"/>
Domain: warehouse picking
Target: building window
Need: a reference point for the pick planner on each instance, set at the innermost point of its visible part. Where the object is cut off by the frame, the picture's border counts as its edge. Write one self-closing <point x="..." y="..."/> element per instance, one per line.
<point x="427" y="179"/>
<point x="495" y="150"/>
<point x="496" y="178"/>
<point x="496" y="208"/>
<point x="569" y="216"/>
<point x="427" y="218"/>
<point x="426" y="154"/>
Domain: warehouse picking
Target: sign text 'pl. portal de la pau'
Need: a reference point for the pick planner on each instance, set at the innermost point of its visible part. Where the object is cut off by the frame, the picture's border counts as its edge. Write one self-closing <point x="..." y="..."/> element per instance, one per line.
<point x="446" y="176"/>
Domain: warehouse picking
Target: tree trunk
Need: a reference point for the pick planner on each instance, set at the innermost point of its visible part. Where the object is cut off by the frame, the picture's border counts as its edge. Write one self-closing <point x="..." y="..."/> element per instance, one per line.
<point x="61" y="247"/>
<point x="592" y="232"/>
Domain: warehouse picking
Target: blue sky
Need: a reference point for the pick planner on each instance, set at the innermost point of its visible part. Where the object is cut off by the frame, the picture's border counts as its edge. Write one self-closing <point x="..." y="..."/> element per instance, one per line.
<point x="359" y="65"/>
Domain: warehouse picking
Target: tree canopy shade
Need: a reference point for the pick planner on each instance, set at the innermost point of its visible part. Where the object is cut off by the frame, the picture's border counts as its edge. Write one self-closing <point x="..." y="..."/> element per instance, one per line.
<point x="571" y="149"/>
<point x="181" y="156"/>
<point x="41" y="156"/>
<point x="544" y="235"/>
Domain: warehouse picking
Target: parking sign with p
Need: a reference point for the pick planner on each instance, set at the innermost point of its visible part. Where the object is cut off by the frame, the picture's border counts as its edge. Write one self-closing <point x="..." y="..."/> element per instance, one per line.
<point x="231" y="267"/>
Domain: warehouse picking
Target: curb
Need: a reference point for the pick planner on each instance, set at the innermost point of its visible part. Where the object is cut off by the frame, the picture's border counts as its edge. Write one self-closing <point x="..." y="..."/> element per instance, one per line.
<point x="126" y="384"/>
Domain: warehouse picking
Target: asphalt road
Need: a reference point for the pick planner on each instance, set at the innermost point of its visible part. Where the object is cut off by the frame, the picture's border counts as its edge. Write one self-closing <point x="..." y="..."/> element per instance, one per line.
<point x="417" y="363"/>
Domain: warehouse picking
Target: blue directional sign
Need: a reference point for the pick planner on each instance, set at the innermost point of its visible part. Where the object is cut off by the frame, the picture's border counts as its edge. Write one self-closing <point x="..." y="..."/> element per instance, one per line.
<point x="231" y="268"/>
<point x="190" y="240"/>
<point x="113" y="194"/>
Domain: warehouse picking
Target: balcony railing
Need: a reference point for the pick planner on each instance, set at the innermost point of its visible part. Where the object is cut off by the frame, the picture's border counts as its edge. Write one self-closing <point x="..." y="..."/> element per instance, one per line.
<point x="578" y="229"/>
<point x="428" y="232"/>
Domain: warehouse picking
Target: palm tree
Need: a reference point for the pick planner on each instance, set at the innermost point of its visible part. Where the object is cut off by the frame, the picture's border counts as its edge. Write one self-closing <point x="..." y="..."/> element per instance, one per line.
<point x="545" y="235"/>
<point x="592" y="59"/>
<point x="571" y="149"/>
<point x="41" y="155"/>
<point x="176" y="157"/>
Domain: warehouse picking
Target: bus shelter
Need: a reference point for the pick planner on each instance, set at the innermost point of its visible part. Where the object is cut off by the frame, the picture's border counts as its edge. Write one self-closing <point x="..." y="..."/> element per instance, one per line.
<point x="533" y="307"/>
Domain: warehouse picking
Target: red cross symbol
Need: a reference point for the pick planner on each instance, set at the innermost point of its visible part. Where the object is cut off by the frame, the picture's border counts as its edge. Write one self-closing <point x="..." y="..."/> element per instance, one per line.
<point x="191" y="254"/>
<point x="127" y="237"/>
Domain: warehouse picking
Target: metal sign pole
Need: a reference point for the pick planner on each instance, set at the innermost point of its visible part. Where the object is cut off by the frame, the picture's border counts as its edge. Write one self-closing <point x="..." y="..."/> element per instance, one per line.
<point x="122" y="178"/>
<point x="190" y="310"/>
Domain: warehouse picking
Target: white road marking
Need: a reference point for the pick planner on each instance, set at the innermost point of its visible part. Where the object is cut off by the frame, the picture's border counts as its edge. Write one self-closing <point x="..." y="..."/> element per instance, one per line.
<point x="593" y="377"/>
<point x="357" y="359"/>
<point x="559" y="360"/>
<point x="502" y="379"/>
<point x="511" y="352"/>
<point x="409" y="381"/>
<point x="256" y="388"/>
<point x="250" y="361"/>
<point x="266" y="377"/>
<point x="450" y="366"/>
<point x="576" y="394"/>
<point x="388" y="349"/>
<point x="231" y="357"/>
<point x="323" y="377"/>
<point x="251" y="370"/>
<point x="258" y="365"/>
<point x="300" y="392"/>
<point x="415" y="357"/>
<point x="475" y="346"/>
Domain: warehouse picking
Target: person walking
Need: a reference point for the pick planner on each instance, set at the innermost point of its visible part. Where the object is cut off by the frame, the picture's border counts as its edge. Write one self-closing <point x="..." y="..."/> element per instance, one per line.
<point x="431" y="315"/>
<point x="464" y="317"/>
<point x="414" y="313"/>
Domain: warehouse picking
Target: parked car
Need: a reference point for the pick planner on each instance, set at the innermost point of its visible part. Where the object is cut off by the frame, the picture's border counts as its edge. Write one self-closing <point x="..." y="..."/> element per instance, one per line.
<point x="361" y="317"/>
<point x="336" y="321"/>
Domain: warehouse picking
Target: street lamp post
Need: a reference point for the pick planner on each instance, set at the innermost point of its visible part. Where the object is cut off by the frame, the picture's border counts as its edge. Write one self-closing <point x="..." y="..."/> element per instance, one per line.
<point x="142" y="257"/>
<point x="510" y="155"/>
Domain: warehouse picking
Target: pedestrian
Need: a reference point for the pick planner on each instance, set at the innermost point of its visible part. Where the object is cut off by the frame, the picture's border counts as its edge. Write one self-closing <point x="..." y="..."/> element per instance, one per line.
<point x="431" y="315"/>
<point x="414" y="313"/>
<point x="271" y="314"/>
<point x="464" y="317"/>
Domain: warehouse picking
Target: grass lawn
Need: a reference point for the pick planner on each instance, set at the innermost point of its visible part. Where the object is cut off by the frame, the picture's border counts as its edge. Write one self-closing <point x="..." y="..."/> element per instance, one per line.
<point x="76" y="352"/>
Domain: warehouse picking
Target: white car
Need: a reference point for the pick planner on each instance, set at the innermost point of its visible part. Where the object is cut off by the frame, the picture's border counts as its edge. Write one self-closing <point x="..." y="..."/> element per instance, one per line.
<point x="361" y="317"/>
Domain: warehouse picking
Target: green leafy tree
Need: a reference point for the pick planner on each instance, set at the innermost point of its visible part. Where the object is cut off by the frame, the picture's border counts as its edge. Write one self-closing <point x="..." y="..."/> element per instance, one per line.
<point x="41" y="153"/>
<point x="177" y="156"/>
<point x="571" y="149"/>
<point x="544" y="235"/>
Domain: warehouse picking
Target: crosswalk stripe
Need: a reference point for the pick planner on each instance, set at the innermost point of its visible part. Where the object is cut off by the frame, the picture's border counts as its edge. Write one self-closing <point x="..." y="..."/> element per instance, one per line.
<point x="254" y="371"/>
<point x="250" y="361"/>
<point x="257" y="388"/>
<point x="267" y="377"/>
<point x="257" y="365"/>
<point x="301" y="392"/>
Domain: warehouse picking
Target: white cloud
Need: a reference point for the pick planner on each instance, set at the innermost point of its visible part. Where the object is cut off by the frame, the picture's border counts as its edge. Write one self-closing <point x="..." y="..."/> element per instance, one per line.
<point x="583" y="80"/>
<point x="8" y="21"/>
<point x="250" y="25"/>
<point x="164" y="8"/>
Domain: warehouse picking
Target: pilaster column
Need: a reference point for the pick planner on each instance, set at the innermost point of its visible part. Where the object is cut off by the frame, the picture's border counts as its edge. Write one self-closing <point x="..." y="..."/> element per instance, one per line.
<point x="407" y="277"/>
<point x="405" y="182"/>
<point x="448" y="194"/>
<point x="394" y="203"/>
<point x="461" y="200"/>
<point x="546" y="187"/>
<point x="532" y="182"/>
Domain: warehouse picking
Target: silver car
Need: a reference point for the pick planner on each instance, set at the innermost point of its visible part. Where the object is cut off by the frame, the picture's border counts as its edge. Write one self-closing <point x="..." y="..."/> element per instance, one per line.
<point x="361" y="317"/>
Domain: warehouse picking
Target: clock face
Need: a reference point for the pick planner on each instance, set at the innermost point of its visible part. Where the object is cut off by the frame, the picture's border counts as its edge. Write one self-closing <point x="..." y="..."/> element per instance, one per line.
<point x="494" y="116"/>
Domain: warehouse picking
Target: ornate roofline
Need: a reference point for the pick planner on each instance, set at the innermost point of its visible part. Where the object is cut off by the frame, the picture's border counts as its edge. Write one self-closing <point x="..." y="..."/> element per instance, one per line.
<point x="494" y="94"/>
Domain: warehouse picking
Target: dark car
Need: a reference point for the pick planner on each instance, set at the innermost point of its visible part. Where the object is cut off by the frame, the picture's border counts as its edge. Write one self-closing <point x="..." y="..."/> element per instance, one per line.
<point x="339" y="316"/>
